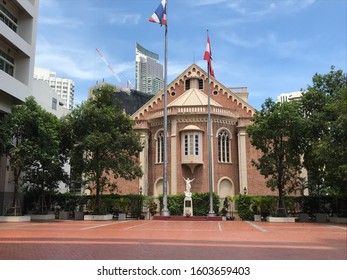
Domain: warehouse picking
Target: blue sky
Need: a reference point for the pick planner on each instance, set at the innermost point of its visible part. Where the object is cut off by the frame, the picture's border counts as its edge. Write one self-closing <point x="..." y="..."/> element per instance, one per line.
<point x="269" y="46"/>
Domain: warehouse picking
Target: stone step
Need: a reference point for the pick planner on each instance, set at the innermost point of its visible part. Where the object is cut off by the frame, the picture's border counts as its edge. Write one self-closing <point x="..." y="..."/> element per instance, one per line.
<point x="191" y="218"/>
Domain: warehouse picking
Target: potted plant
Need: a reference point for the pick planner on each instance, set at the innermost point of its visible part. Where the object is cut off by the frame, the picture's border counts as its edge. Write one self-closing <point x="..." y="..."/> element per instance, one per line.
<point x="122" y="207"/>
<point x="256" y="207"/>
<point x="153" y="208"/>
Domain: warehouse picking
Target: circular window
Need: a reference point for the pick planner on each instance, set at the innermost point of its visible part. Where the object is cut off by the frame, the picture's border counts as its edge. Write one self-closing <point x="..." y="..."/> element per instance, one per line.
<point x="215" y="92"/>
<point x="173" y="93"/>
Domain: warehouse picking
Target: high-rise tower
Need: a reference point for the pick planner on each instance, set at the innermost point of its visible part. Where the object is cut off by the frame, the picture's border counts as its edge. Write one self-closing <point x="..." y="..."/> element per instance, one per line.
<point x="149" y="72"/>
<point x="62" y="86"/>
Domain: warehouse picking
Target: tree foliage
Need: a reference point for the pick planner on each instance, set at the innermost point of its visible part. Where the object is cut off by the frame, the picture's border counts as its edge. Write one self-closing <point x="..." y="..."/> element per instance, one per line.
<point x="276" y="131"/>
<point x="30" y="139"/>
<point x="103" y="143"/>
<point x="324" y="107"/>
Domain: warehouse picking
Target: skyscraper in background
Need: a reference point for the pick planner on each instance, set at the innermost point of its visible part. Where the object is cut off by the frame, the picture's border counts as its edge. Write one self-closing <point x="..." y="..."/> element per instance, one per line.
<point x="148" y="71"/>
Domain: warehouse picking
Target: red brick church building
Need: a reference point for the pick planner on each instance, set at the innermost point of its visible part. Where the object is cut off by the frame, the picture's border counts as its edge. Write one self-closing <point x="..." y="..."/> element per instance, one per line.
<point x="187" y="144"/>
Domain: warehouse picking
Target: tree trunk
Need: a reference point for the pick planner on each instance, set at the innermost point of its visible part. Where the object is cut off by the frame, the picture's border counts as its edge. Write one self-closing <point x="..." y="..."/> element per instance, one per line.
<point x="97" y="208"/>
<point x="15" y="208"/>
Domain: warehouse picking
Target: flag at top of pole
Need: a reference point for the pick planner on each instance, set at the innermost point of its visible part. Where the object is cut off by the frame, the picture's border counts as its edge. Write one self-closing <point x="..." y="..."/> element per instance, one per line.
<point x="208" y="56"/>
<point x="159" y="15"/>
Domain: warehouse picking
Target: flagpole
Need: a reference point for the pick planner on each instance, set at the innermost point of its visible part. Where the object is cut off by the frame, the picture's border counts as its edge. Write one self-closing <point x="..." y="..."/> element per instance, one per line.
<point x="165" y="211"/>
<point x="209" y="130"/>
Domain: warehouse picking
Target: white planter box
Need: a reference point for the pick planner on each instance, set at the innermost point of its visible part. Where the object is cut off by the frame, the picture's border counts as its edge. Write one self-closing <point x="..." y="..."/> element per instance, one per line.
<point x="122" y="216"/>
<point x="15" y="219"/>
<point x="43" y="217"/>
<point x="63" y="215"/>
<point x="304" y="217"/>
<point x="281" y="219"/>
<point x="257" y="218"/>
<point x="338" y="220"/>
<point x="79" y="215"/>
<point x="98" y="217"/>
<point x="321" y="218"/>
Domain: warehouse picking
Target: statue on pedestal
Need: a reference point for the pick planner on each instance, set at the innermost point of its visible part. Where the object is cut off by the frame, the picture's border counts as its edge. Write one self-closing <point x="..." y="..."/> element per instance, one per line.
<point x="188" y="201"/>
<point x="188" y="186"/>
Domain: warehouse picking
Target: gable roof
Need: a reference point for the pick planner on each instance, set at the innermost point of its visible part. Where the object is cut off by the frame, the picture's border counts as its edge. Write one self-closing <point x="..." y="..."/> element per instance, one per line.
<point x="194" y="96"/>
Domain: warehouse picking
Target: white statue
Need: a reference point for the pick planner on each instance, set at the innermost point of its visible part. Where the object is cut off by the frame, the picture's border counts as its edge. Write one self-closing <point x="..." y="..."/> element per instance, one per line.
<point x="188" y="186"/>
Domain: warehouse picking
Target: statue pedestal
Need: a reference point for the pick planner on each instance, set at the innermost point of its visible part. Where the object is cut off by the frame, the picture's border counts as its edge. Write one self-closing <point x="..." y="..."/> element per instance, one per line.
<point x="188" y="206"/>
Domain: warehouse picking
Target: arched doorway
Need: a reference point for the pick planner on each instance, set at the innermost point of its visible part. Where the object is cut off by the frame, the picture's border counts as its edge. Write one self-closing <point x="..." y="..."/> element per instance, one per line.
<point x="158" y="187"/>
<point x="226" y="189"/>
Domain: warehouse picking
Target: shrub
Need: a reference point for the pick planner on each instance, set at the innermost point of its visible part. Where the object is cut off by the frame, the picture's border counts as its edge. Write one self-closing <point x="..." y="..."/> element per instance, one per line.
<point x="243" y="203"/>
<point x="201" y="204"/>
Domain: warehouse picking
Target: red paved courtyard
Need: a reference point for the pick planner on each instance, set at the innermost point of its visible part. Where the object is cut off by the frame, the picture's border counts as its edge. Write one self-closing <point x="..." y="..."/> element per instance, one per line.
<point x="175" y="240"/>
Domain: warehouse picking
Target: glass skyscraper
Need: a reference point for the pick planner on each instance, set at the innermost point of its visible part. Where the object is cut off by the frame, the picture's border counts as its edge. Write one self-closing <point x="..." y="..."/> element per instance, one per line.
<point x="148" y="72"/>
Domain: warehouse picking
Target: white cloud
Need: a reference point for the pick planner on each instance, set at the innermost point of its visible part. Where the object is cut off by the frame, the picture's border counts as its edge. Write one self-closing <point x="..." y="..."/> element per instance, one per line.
<point x="258" y="8"/>
<point x="234" y="39"/>
<point x="61" y="22"/>
<point x="207" y="2"/>
<point x="255" y="10"/>
<point x="270" y="42"/>
<point x="121" y="19"/>
<point x="77" y="62"/>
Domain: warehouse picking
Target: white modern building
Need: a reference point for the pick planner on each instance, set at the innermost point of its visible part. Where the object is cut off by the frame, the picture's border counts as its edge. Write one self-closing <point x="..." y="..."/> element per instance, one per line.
<point x="62" y="86"/>
<point x="284" y="97"/>
<point x="148" y="71"/>
<point x="18" y="29"/>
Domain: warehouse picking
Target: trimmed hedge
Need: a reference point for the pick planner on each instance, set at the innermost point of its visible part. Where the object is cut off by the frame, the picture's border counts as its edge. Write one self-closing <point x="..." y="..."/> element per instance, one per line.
<point x="331" y="205"/>
<point x="201" y="204"/>
<point x="112" y="203"/>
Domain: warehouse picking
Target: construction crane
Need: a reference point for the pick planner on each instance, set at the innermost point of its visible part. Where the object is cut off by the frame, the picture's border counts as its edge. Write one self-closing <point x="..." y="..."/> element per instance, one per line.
<point x="108" y="65"/>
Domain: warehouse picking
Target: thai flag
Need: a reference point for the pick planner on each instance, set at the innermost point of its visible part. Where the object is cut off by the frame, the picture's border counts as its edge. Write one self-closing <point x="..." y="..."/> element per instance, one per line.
<point x="159" y="15"/>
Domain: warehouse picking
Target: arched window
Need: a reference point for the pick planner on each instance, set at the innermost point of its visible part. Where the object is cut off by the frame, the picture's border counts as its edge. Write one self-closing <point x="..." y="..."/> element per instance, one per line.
<point x="160" y="147"/>
<point x="224" y="146"/>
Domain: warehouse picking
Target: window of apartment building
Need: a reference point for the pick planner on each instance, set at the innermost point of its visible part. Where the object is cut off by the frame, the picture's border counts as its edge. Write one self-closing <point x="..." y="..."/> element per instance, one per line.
<point x="224" y="146"/>
<point x="160" y="147"/>
<point x="8" y="18"/>
<point x="54" y="103"/>
<point x="6" y="63"/>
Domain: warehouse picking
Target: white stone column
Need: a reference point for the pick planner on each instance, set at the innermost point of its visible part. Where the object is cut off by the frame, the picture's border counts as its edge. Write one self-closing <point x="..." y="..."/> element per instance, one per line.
<point x="173" y="157"/>
<point x="143" y="182"/>
<point x="242" y="160"/>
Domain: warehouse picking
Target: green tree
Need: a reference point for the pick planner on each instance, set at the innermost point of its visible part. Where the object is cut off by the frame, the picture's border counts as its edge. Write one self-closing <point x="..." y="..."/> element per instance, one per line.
<point x="30" y="139"/>
<point x="324" y="107"/>
<point x="276" y="131"/>
<point x="104" y="144"/>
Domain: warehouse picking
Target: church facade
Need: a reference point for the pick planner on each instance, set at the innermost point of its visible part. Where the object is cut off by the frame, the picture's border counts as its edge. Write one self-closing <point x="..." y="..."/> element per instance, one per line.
<point x="187" y="139"/>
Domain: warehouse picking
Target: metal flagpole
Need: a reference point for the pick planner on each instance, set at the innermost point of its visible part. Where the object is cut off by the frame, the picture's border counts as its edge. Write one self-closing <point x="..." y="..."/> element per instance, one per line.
<point x="209" y="130"/>
<point x="165" y="211"/>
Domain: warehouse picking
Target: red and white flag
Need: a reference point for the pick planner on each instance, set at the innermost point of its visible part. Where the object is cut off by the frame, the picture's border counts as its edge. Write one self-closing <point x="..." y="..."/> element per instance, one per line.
<point x="208" y="57"/>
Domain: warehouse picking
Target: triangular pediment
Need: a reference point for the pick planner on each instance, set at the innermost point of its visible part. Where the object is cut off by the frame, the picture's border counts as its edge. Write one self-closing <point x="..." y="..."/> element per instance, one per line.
<point x="193" y="97"/>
